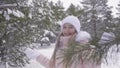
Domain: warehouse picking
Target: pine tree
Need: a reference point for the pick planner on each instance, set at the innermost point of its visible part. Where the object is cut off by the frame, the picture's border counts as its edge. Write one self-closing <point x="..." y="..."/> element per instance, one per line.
<point x="22" y="24"/>
<point x="117" y="26"/>
<point x="45" y="16"/>
<point x="98" y="19"/>
<point x="57" y="15"/>
<point x="74" y="10"/>
<point x="14" y="34"/>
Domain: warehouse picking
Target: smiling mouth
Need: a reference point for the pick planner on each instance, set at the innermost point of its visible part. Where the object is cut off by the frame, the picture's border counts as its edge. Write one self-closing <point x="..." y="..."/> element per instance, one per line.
<point x="67" y="34"/>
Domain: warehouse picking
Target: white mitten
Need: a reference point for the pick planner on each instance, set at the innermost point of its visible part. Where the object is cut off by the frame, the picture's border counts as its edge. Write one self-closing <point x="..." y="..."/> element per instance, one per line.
<point x="83" y="37"/>
<point x="31" y="54"/>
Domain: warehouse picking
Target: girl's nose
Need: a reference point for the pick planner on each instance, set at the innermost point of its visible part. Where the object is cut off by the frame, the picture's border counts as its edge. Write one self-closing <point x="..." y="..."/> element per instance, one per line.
<point x="67" y="30"/>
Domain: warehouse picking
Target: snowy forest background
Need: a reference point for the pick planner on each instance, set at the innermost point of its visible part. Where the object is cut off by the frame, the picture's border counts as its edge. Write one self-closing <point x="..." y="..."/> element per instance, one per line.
<point x="24" y="23"/>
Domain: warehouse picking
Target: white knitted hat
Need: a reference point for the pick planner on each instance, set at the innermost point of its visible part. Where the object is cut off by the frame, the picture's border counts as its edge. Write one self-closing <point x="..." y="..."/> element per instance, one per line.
<point x="73" y="21"/>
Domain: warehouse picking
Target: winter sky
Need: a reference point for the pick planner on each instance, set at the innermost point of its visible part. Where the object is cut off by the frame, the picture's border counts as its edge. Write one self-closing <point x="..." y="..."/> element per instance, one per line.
<point x="66" y="3"/>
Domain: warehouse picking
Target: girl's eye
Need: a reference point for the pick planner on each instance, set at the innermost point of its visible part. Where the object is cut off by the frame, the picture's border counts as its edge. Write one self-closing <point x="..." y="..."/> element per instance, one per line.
<point x="64" y="27"/>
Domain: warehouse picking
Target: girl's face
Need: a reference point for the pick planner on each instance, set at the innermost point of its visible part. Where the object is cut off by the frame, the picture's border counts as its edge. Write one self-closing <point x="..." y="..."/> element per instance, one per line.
<point x="68" y="29"/>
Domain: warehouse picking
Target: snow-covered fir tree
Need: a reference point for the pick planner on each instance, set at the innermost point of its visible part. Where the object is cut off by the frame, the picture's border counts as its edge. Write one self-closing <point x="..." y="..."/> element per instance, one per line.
<point x="13" y="32"/>
<point x="24" y="22"/>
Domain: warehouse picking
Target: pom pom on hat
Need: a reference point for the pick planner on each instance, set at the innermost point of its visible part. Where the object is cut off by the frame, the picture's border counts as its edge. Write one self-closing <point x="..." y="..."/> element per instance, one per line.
<point x="73" y="21"/>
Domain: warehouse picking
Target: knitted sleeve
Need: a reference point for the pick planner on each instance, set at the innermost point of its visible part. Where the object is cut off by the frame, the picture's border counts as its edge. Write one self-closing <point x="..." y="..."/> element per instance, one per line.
<point x="43" y="60"/>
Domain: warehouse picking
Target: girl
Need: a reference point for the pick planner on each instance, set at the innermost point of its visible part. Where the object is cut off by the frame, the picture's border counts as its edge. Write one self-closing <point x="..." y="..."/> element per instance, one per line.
<point x="70" y="31"/>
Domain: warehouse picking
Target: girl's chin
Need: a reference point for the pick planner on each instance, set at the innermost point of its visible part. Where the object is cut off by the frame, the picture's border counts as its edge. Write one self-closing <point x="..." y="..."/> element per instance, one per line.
<point x="67" y="34"/>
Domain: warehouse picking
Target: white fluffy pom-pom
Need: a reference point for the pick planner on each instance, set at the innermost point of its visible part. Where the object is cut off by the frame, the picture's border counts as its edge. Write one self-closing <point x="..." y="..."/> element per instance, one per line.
<point x="83" y="36"/>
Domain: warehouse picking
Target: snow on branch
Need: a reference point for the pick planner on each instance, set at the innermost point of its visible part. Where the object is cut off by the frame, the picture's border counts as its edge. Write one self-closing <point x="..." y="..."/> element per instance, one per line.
<point x="9" y="5"/>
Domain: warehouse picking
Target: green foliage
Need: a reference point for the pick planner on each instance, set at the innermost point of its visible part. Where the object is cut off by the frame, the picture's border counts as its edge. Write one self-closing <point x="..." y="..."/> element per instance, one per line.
<point x="17" y="32"/>
<point x="14" y="35"/>
<point x="45" y="16"/>
<point x="76" y="53"/>
<point x="74" y="10"/>
<point x="96" y="19"/>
